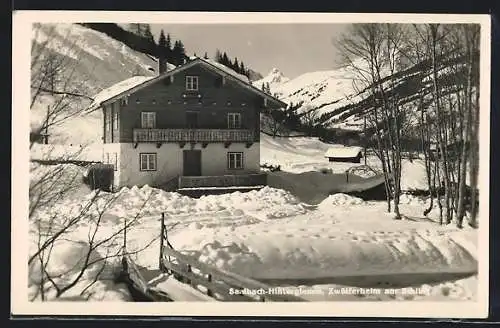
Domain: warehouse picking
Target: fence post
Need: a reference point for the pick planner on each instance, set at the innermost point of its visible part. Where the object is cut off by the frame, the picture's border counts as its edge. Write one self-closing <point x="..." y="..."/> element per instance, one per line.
<point x="124" y="235"/>
<point x="209" y="291"/>
<point x="162" y="229"/>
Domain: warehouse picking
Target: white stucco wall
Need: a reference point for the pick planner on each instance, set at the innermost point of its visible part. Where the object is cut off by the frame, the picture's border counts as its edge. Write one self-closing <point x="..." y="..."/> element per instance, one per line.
<point x="214" y="159"/>
<point x="170" y="161"/>
<point x="112" y="149"/>
<point x="168" y="164"/>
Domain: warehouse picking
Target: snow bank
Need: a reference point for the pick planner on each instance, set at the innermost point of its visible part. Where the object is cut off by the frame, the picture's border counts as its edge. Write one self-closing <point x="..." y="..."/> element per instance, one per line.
<point x="272" y="255"/>
<point x="67" y="260"/>
<point x="266" y="203"/>
<point x="340" y="199"/>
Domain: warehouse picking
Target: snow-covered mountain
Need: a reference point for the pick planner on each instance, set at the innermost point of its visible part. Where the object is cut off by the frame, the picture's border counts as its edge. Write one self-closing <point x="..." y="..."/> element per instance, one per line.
<point x="275" y="78"/>
<point x="321" y="90"/>
<point x="341" y="101"/>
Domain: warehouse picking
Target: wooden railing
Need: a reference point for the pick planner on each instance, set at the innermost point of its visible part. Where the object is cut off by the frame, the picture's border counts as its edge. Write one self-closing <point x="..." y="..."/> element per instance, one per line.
<point x="138" y="285"/>
<point x="193" y="135"/>
<point x="247" y="180"/>
<point x="215" y="282"/>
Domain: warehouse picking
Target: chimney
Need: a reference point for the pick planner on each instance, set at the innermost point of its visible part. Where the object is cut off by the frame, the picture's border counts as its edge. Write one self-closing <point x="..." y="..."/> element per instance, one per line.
<point x="162" y="64"/>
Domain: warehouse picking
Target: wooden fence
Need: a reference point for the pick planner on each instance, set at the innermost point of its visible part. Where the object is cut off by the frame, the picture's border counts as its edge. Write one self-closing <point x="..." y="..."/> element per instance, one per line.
<point x="137" y="284"/>
<point x="217" y="283"/>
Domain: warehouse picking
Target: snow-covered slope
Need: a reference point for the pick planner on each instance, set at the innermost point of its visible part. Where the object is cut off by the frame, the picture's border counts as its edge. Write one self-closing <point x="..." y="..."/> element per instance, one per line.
<point x="341" y="98"/>
<point x="325" y="91"/>
<point x="96" y="62"/>
<point x="275" y="78"/>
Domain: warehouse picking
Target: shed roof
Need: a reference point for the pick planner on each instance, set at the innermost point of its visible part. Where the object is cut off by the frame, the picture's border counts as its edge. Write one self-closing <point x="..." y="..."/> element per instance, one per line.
<point x="343" y="152"/>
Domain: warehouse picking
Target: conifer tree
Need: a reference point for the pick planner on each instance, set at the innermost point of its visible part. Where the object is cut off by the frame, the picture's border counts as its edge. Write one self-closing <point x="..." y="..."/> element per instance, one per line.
<point x="218" y="56"/>
<point x="241" y="69"/>
<point x="235" y="65"/>
<point x="225" y="59"/>
<point x="163" y="51"/>
<point x="147" y="33"/>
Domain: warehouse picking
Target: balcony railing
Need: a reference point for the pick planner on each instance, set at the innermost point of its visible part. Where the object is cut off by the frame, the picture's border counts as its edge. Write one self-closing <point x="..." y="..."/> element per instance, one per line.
<point x="193" y="135"/>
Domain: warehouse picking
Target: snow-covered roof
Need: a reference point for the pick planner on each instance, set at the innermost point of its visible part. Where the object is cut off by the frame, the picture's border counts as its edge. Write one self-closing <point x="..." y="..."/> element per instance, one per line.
<point x="227" y="70"/>
<point x="222" y="68"/>
<point x="138" y="82"/>
<point x="343" y="152"/>
<point x="117" y="89"/>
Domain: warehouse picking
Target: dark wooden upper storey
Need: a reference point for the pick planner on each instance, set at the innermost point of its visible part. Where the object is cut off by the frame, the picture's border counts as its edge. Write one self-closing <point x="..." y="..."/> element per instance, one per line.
<point x="195" y="103"/>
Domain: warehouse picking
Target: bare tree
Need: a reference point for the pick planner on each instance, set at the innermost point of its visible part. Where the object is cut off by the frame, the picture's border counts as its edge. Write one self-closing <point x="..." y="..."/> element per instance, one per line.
<point x="440" y="63"/>
<point x="58" y="94"/>
<point x="310" y="119"/>
<point x="273" y="122"/>
<point x="372" y="52"/>
<point x="55" y="87"/>
<point x="99" y="249"/>
<point x="453" y="52"/>
<point x="470" y="37"/>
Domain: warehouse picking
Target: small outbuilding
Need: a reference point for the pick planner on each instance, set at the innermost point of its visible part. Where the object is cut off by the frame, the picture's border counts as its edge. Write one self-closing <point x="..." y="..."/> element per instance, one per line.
<point x="344" y="154"/>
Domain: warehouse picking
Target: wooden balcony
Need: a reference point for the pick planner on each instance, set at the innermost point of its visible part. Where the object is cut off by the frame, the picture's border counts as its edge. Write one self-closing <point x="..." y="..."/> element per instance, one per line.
<point x="193" y="135"/>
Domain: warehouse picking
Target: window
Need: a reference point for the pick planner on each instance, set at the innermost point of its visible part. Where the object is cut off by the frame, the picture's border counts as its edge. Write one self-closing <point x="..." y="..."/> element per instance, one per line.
<point x="234" y="160"/>
<point x="147" y="161"/>
<point x="124" y="101"/>
<point x="191" y="83"/>
<point x="115" y="119"/>
<point x="234" y="120"/>
<point x="148" y="120"/>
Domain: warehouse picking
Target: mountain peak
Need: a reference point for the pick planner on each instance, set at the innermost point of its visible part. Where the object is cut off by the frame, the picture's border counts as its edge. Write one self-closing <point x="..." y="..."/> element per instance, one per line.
<point x="275" y="71"/>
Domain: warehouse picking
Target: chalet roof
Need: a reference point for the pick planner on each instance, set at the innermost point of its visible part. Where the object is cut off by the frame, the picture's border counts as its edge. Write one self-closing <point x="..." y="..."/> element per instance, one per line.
<point x="343" y="152"/>
<point x="136" y="83"/>
<point x="118" y="89"/>
<point x="227" y="70"/>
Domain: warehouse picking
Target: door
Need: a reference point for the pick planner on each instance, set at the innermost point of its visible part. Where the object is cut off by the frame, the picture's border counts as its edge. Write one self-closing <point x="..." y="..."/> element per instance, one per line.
<point x="192" y="162"/>
<point x="192" y="120"/>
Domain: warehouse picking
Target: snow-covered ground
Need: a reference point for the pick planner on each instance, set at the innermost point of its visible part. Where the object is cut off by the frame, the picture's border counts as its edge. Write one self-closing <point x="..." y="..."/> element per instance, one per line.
<point x="304" y="154"/>
<point x="271" y="235"/>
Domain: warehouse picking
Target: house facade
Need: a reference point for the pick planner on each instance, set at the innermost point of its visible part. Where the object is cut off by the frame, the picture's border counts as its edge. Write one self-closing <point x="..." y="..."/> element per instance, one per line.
<point x="199" y="119"/>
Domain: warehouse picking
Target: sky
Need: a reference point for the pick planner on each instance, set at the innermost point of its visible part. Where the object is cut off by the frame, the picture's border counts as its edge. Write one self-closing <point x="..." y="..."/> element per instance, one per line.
<point x="292" y="48"/>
